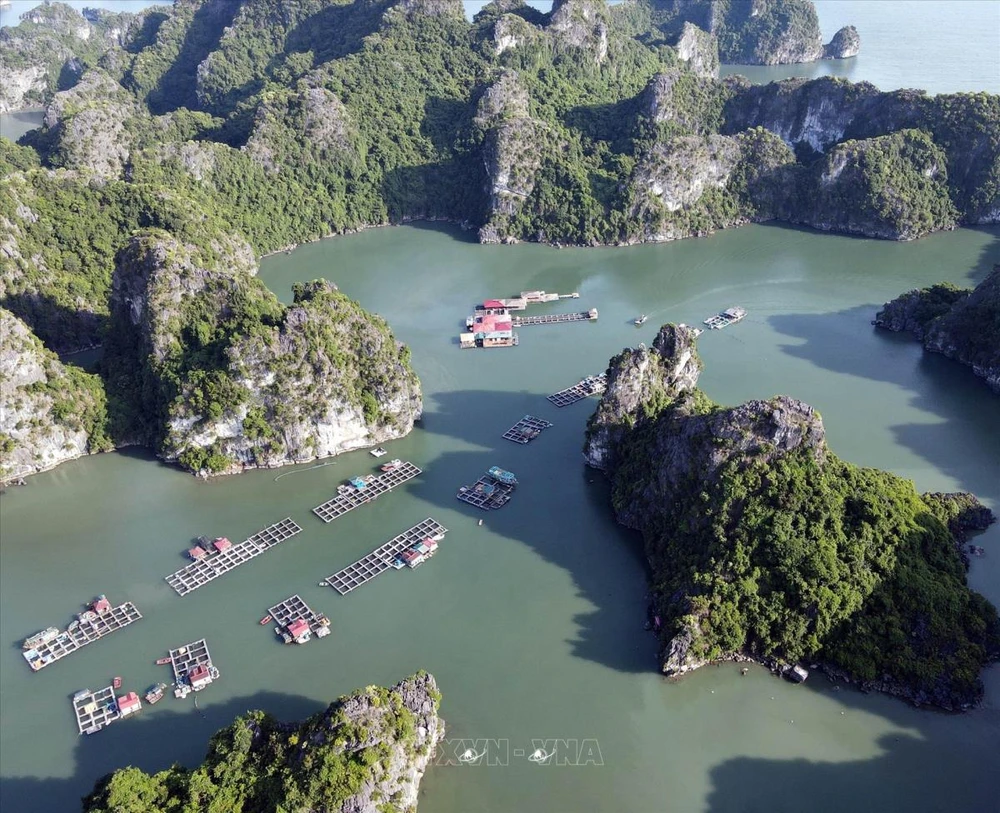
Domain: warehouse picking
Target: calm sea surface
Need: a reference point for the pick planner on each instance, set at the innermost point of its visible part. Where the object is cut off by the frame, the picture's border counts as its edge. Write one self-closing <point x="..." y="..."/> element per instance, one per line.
<point x="533" y="622"/>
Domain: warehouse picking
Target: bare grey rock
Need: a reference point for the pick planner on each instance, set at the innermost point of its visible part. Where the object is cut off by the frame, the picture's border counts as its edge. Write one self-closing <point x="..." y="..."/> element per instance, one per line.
<point x="700" y="50"/>
<point x="580" y="24"/>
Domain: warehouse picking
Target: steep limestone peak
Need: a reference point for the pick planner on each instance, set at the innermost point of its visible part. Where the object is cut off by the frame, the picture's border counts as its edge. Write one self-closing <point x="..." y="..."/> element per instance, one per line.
<point x="846" y="43"/>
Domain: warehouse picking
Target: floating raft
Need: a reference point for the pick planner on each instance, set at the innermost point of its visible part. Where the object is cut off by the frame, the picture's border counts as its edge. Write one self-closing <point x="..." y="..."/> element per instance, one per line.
<point x="491" y="491"/>
<point x="554" y="318"/>
<point x="198" y="574"/>
<point x="86" y="632"/>
<point x="291" y="609"/>
<point x="185" y="658"/>
<point x="375" y="486"/>
<point x="728" y="317"/>
<point x="380" y="559"/>
<point x="526" y="429"/>
<point x="591" y="385"/>
<point x="94" y="710"/>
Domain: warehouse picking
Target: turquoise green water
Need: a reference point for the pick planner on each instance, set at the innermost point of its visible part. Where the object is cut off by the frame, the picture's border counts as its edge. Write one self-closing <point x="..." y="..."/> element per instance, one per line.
<point x="533" y="622"/>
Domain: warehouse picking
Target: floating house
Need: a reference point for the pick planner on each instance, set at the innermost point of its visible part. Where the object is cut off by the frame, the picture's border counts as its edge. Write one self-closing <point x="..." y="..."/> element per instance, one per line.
<point x="197" y="553"/>
<point x="199" y="677"/>
<point x="299" y="630"/>
<point x="129" y="704"/>
<point x="221" y="544"/>
<point x="100" y="604"/>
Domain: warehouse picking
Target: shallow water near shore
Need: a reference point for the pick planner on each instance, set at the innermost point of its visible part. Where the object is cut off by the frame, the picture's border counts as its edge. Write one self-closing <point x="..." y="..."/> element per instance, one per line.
<point x="532" y="623"/>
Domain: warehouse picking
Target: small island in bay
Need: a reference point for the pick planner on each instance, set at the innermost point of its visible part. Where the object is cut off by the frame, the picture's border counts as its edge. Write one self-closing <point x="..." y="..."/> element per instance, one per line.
<point x="367" y="752"/>
<point x="764" y="544"/>
<point x="962" y="324"/>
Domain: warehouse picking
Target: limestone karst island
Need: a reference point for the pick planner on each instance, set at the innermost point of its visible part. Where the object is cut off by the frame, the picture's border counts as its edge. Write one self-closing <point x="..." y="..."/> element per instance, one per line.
<point x="665" y="333"/>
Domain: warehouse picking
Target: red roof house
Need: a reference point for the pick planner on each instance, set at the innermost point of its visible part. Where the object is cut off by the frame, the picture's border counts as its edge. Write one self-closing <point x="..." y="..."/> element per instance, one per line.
<point x="493" y="303"/>
<point x="199" y="676"/>
<point x="128" y="703"/>
<point x="297" y="627"/>
<point x="222" y="544"/>
<point x="197" y="552"/>
<point x="101" y="605"/>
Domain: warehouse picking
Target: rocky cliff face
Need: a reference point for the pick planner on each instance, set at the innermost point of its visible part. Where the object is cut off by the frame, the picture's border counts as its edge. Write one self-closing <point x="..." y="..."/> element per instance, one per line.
<point x="49" y="413"/>
<point x="846" y="43"/>
<point x="580" y="24"/>
<point x="376" y="742"/>
<point x="700" y="50"/>
<point x="656" y="375"/>
<point x="894" y="187"/>
<point x="962" y="325"/>
<point x="750" y="32"/>
<point x="764" y="544"/>
<point x="50" y="48"/>
<point x="87" y="126"/>
<point x="218" y="376"/>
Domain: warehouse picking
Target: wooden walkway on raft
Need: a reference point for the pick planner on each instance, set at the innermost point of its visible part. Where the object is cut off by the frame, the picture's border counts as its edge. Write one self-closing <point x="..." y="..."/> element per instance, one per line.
<point x="185" y="658"/>
<point x="350" y="498"/>
<point x="380" y="559"/>
<point x="526" y="429"/>
<point x="285" y="612"/>
<point x="69" y="641"/>
<point x="94" y="710"/>
<point x="554" y="318"/>
<point x="591" y="385"/>
<point x="198" y="574"/>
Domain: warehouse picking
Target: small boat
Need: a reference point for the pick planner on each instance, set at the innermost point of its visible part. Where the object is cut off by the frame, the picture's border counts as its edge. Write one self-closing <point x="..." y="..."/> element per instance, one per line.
<point x="162" y="661"/>
<point x="155" y="693"/>
<point x="265" y="620"/>
<point x="117" y="682"/>
<point x="641" y="320"/>
<point x="39" y="638"/>
<point x="379" y="452"/>
<point x="392" y="465"/>
<point x="83" y="694"/>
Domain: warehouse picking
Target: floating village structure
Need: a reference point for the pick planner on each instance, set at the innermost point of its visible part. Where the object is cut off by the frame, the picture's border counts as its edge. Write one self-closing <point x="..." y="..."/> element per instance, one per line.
<point x="491" y="491"/>
<point x="193" y="668"/>
<point x="730" y="316"/>
<point x="216" y="559"/>
<point x="381" y="559"/>
<point x="526" y="429"/>
<point x="492" y="324"/>
<point x="360" y="491"/>
<point x="591" y="385"/>
<point x="98" y="620"/>
<point x="296" y="621"/>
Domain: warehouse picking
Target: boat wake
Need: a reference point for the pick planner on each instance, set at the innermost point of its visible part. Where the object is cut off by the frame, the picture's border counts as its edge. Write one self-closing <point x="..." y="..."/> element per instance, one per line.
<point x="299" y="471"/>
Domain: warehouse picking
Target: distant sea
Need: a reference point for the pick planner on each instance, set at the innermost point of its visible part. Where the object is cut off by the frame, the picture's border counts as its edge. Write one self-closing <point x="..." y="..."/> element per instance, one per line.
<point x="942" y="46"/>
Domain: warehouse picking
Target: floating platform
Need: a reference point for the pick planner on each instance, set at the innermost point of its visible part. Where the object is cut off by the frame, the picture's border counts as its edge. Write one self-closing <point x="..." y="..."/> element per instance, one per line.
<point x="380" y="559"/>
<point x="729" y="316"/>
<point x="519" y="303"/>
<point x="491" y="491"/>
<point x="349" y="497"/>
<point x="294" y="608"/>
<point x="554" y="318"/>
<point x="82" y="633"/>
<point x="526" y="429"/>
<point x="95" y="710"/>
<point x="192" y="666"/>
<point x="198" y="574"/>
<point x="591" y="385"/>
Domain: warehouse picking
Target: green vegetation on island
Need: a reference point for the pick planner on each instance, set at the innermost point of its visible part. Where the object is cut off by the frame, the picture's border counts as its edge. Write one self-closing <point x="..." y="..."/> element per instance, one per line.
<point x="270" y="124"/>
<point x="763" y="543"/>
<point x="367" y="751"/>
<point x="962" y="324"/>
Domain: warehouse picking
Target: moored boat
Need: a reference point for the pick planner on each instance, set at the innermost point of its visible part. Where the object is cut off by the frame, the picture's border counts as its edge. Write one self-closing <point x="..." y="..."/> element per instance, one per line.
<point x="392" y="465"/>
<point x="155" y="693"/>
<point x="117" y="682"/>
<point x="162" y="661"/>
<point x="39" y="638"/>
<point x="265" y="620"/>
